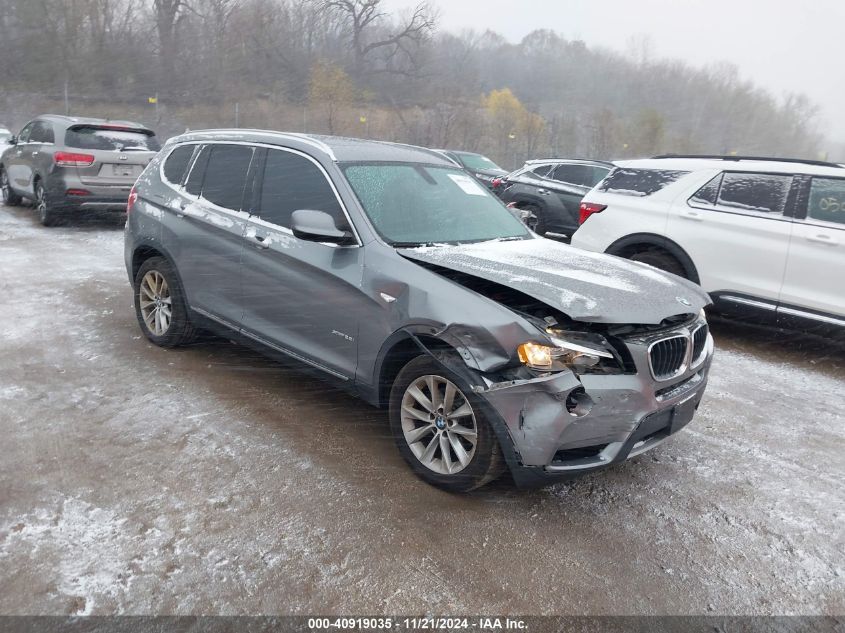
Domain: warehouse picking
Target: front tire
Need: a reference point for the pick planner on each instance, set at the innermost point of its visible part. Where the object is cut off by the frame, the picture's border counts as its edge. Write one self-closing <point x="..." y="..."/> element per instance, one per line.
<point x="160" y="304"/>
<point x="10" y="198"/>
<point x="660" y="259"/>
<point x="440" y="430"/>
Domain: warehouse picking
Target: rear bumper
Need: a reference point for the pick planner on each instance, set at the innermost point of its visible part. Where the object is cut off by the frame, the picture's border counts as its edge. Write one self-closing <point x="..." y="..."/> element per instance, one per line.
<point x="104" y="197"/>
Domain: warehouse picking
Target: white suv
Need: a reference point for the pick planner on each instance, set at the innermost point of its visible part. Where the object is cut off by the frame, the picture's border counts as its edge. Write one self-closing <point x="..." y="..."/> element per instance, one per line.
<point x="760" y="235"/>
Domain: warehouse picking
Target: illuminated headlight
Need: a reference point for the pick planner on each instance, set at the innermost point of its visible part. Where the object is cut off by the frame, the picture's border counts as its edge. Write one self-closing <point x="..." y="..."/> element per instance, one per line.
<point x="565" y="354"/>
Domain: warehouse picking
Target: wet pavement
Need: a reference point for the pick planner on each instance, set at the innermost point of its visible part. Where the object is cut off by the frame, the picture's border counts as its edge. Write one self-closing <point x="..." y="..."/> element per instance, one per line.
<point x="209" y="480"/>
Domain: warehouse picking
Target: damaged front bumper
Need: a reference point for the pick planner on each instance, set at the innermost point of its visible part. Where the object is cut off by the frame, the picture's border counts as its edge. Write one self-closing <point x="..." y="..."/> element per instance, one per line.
<point x="563" y="424"/>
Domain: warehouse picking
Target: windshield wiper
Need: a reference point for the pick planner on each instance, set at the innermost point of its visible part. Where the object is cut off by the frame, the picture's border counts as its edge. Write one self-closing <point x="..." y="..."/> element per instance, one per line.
<point x="412" y="244"/>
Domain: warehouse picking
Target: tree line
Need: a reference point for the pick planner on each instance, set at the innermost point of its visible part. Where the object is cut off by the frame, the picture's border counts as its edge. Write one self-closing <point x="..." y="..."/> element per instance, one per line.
<point x="351" y="67"/>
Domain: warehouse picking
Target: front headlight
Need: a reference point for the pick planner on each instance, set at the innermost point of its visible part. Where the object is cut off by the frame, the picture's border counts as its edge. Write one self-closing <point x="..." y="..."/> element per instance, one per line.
<point x="565" y="354"/>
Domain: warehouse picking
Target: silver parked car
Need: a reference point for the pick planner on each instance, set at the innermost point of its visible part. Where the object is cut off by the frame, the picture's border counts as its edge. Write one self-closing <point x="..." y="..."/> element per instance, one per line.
<point x="69" y="164"/>
<point x="391" y="272"/>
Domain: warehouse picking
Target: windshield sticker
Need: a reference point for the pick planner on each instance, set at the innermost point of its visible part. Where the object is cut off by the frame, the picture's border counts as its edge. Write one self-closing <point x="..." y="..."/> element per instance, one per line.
<point x="468" y="185"/>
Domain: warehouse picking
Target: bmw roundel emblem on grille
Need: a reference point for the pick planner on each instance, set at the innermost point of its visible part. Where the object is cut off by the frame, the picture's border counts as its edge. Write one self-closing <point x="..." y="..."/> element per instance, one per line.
<point x="683" y="301"/>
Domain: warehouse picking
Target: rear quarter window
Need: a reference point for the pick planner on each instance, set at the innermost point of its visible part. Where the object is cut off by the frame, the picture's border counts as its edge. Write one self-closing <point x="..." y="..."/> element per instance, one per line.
<point x="639" y="182"/>
<point x="177" y="163"/>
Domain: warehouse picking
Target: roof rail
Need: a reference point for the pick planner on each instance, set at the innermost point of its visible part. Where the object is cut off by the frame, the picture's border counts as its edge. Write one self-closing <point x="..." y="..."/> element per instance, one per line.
<point x="818" y="163"/>
<point x="552" y="159"/>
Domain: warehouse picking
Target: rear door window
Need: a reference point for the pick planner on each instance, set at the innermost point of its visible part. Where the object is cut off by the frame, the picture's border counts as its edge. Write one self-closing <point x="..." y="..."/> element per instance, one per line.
<point x="292" y="182"/>
<point x="827" y="200"/>
<point x="542" y="171"/>
<point x="194" y="183"/>
<point x="110" y="139"/>
<point x="639" y="182"/>
<point x="225" y="176"/>
<point x="760" y="193"/>
<point x="177" y="163"/>
<point x="581" y="175"/>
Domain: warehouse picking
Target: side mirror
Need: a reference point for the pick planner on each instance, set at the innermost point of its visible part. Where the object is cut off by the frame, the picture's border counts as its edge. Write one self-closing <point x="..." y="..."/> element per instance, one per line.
<point x="318" y="226"/>
<point x="13" y="140"/>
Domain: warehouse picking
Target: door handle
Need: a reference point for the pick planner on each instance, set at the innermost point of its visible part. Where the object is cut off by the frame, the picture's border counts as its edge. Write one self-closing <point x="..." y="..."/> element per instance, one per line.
<point x="259" y="241"/>
<point x="35" y="153"/>
<point x="822" y="239"/>
<point x="692" y="215"/>
<point x="543" y="192"/>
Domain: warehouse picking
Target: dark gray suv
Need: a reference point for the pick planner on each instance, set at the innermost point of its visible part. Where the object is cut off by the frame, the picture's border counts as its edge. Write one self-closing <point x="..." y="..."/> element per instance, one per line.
<point x="389" y="271"/>
<point x="71" y="164"/>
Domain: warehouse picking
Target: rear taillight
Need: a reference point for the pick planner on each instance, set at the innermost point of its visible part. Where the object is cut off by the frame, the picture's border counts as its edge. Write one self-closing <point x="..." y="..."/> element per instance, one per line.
<point x="71" y="159"/>
<point x="589" y="208"/>
<point x="130" y="202"/>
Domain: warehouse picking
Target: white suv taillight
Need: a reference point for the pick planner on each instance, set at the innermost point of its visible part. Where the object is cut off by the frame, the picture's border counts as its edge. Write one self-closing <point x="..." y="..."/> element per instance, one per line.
<point x="587" y="209"/>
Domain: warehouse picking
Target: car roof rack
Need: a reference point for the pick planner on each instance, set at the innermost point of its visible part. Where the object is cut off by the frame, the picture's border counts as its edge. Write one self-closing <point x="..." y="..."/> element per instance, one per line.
<point x="818" y="163"/>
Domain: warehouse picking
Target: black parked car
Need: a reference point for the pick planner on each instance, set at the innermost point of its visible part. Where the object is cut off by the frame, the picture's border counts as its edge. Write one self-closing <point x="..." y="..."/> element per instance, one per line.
<point x="551" y="190"/>
<point x="479" y="166"/>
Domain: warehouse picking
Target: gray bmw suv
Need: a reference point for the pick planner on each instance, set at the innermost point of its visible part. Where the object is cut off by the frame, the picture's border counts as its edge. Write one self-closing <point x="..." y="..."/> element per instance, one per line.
<point x="391" y="272"/>
<point x="70" y="164"/>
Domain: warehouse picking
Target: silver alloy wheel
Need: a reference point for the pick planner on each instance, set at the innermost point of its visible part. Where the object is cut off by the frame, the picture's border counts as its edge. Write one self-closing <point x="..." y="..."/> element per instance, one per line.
<point x="156" y="302"/>
<point x="439" y="424"/>
<point x="40" y="201"/>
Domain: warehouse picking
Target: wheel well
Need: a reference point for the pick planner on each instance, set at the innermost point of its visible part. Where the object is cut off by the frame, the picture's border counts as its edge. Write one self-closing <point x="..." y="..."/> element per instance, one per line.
<point x="399" y="355"/>
<point x="638" y="243"/>
<point x="142" y="254"/>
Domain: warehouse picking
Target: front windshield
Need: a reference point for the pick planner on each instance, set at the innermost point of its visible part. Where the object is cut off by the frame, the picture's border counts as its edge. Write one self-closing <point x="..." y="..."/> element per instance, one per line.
<point x="477" y="161"/>
<point x="421" y="204"/>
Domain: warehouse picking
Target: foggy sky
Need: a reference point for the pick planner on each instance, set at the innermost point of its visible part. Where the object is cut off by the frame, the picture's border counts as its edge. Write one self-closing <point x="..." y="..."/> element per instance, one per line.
<point x="782" y="45"/>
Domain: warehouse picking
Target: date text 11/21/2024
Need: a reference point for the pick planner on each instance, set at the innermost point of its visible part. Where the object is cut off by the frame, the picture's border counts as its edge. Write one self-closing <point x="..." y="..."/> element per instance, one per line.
<point x="418" y="624"/>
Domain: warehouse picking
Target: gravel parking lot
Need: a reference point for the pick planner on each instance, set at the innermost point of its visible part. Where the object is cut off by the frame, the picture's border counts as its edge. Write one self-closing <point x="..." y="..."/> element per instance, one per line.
<point x="210" y="480"/>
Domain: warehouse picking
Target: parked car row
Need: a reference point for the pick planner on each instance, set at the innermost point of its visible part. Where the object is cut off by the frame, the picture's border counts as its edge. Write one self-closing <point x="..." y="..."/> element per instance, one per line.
<point x="765" y="237"/>
<point x="397" y="273"/>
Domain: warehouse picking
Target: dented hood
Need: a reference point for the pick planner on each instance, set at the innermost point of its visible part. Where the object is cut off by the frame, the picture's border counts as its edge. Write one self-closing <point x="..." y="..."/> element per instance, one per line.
<point x="585" y="286"/>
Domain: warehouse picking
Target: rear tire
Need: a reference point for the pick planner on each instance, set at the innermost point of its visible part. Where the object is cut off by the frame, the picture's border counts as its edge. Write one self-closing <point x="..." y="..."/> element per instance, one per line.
<point x="440" y="430"/>
<point x="47" y="212"/>
<point x="538" y="224"/>
<point x="660" y="259"/>
<point x="160" y="304"/>
<point x="10" y="198"/>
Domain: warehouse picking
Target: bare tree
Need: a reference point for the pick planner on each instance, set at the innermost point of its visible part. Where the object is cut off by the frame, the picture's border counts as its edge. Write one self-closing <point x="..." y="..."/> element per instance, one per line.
<point x="380" y="48"/>
<point x="169" y="14"/>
